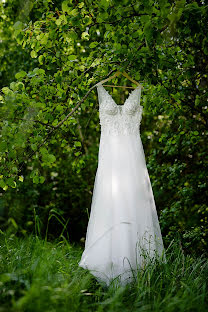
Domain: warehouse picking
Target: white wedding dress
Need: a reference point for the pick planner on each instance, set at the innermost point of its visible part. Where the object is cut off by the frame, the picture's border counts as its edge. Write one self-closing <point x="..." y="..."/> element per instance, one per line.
<point x="123" y="231"/>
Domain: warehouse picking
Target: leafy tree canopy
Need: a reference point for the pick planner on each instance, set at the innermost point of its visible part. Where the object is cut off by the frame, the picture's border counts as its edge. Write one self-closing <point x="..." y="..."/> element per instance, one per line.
<point x="52" y="55"/>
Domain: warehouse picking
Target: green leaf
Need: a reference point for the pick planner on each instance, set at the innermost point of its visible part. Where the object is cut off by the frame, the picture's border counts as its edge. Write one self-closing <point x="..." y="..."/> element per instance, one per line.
<point x="51" y="158"/>
<point x="58" y="22"/>
<point x="104" y="4"/>
<point x="80" y="5"/>
<point x="40" y="59"/>
<point x="36" y="179"/>
<point x="5" y="90"/>
<point x="85" y="35"/>
<point x="44" y="39"/>
<point x="73" y="12"/>
<point x="59" y="108"/>
<point x="93" y="44"/>
<point x="34" y="147"/>
<point x="3" y="146"/>
<point x="20" y="85"/>
<point x="43" y="150"/>
<point x="42" y="179"/>
<point x="77" y="143"/>
<point x="10" y="181"/>
<point x="20" y="74"/>
<point x="11" y="220"/>
<point x="55" y="122"/>
<point x="72" y="57"/>
<point x="33" y="54"/>
<point x="18" y="25"/>
<point x="2" y="183"/>
<point x="21" y="178"/>
<point x="14" y="169"/>
<point x="65" y="7"/>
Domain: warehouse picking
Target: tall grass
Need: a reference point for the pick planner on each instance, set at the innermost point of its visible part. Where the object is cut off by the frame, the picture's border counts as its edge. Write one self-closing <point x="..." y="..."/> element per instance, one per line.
<point x="37" y="275"/>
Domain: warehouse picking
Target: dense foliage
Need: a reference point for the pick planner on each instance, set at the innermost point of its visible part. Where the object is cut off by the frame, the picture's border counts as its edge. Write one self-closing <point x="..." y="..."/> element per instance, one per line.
<point x="52" y="54"/>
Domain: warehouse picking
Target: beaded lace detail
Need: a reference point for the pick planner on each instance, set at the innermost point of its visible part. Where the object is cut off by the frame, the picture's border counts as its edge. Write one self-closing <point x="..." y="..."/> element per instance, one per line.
<point x="119" y="119"/>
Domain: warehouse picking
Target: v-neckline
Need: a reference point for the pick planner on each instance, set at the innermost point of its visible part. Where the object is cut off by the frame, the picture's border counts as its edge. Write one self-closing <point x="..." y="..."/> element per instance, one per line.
<point x="130" y="93"/>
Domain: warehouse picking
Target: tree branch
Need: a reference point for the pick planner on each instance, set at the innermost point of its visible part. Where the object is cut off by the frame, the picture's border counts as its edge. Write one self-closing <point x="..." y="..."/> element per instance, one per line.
<point x="61" y="122"/>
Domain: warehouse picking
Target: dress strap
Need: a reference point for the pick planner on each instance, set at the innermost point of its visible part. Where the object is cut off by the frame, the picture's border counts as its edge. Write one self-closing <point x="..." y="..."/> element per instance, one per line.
<point x="134" y="96"/>
<point x="100" y="92"/>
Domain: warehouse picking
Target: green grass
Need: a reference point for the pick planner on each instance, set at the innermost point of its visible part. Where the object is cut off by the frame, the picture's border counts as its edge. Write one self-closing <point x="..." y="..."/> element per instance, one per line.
<point x="36" y="275"/>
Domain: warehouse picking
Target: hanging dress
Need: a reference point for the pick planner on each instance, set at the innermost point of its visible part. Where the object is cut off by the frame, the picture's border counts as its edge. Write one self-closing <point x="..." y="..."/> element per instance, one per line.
<point x="123" y="231"/>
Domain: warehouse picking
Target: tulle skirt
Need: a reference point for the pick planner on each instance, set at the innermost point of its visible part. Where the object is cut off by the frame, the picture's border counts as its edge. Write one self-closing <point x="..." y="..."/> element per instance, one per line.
<point x="123" y="231"/>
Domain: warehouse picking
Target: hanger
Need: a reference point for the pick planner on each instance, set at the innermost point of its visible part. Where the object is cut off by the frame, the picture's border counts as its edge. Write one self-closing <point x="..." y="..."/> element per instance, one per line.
<point x="118" y="73"/>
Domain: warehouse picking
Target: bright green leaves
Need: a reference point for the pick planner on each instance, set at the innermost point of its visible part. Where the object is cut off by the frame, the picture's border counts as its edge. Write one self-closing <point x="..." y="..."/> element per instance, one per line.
<point x="21" y="178"/>
<point x="66" y="6"/>
<point x="47" y="159"/>
<point x="177" y="97"/>
<point x="77" y="144"/>
<point x="37" y="78"/>
<point x="104" y="4"/>
<point x="93" y="44"/>
<point x="85" y="36"/>
<point x="51" y="158"/>
<point x="3" y="184"/>
<point x="81" y="5"/>
<point x="10" y="182"/>
<point x="34" y="147"/>
<point x="41" y="179"/>
<point x="7" y="182"/>
<point x="79" y="162"/>
<point x="6" y="90"/>
<point x="20" y="75"/>
<point x="15" y="86"/>
<point x="43" y="38"/>
<point x="41" y="59"/>
<point x="43" y="151"/>
<point x="33" y="54"/>
<point x="36" y="177"/>
<point x="72" y="57"/>
<point x="61" y="20"/>
<point x="87" y="20"/>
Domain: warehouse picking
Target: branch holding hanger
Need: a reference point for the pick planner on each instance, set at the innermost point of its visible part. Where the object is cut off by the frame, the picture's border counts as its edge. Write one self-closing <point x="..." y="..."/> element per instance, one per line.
<point x="76" y="107"/>
<point x="118" y="73"/>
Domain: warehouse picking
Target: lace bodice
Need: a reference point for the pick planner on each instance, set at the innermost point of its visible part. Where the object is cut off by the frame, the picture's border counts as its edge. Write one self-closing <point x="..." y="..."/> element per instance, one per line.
<point x="119" y="119"/>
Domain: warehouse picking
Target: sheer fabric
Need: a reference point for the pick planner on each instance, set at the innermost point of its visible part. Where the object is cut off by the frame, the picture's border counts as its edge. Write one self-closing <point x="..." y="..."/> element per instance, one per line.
<point x="123" y="230"/>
